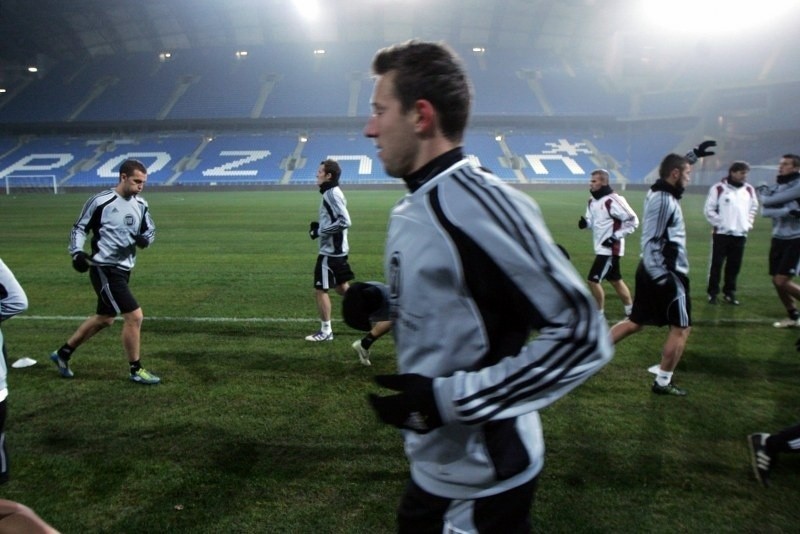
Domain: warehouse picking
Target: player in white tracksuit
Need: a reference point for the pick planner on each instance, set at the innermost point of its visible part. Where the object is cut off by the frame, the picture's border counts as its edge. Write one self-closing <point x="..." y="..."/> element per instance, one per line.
<point x="611" y="219"/>
<point x="730" y="207"/>
<point x="491" y="321"/>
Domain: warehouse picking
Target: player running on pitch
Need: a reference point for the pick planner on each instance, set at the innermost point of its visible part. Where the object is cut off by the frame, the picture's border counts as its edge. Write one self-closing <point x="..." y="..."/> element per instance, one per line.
<point x="120" y="222"/>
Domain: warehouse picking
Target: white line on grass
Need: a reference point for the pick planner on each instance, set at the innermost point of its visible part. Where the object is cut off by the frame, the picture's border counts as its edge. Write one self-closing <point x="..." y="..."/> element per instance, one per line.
<point x="750" y="320"/>
<point x="178" y="319"/>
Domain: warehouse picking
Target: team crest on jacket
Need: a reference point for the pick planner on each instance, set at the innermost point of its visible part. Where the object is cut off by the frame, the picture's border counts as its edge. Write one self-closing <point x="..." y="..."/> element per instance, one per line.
<point x="129" y="220"/>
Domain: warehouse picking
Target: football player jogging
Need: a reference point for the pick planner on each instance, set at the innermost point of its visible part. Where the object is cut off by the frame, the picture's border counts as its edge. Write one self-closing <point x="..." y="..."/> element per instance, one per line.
<point x="611" y="219"/>
<point x="120" y="222"/>
<point x="472" y="271"/>
<point x="13" y="301"/>
<point x="781" y="203"/>
<point x="731" y="206"/>
<point x="332" y="269"/>
<point x="662" y="277"/>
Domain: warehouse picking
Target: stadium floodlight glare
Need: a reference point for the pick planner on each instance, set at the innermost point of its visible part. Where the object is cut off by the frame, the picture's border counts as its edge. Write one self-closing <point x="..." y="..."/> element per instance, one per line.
<point x="717" y="17"/>
<point x="33" y="69"/>
<point x="308" y="9"/>
<point x="241" y="54"/>
<point x="319" y="51"/>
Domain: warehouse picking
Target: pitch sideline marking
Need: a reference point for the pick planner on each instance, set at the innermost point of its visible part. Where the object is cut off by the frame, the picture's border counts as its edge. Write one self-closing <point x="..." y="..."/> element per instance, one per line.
<point x="177" y="319"/>
<point x="713" y="322"/>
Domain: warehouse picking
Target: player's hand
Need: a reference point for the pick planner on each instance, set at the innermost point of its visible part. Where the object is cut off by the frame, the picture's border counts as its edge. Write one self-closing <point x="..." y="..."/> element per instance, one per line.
<point x="313" y="230"/>
<point x="702" y="151"/>
<point x="80" y="262"/>
<point x="414" y="408"/>
<point x="609" y="242"/>
<point x="359" y="302"/>
<point x="141" y="241"/>
<point x="661" y="281"/>
<point x="582" y="223"/>
<point x="763" y="189"/>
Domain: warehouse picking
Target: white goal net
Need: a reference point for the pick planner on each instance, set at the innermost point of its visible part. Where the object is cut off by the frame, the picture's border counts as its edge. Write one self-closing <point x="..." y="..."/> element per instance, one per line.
<point x="31" y="183"/>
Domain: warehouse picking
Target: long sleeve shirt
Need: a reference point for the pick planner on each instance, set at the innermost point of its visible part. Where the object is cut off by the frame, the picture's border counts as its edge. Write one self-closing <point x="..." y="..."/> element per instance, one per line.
<point x="472" y="271"/>
<point x="334" y="220"/>
<point x="13" y="301"/>
<point x="731" y="210"/>
<point x="113" y="221"/>
<point x="777" y="202"/>
<point x="663" y="233"/>
<point x="610" y="216"/>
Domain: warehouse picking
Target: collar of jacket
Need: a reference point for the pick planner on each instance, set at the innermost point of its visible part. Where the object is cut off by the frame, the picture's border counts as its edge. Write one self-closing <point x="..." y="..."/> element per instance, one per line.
<point x="415" y="180"/>
<point x="733" y="183"/>
<point x="662" y="185"/>
<point x="603" y="191"/>
<point x="785" y="179"/>
<point x="327" y="185"/>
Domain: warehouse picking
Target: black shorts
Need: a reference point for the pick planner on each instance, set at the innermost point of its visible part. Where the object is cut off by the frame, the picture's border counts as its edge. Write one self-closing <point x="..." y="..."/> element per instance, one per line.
<point x="605" y="268"/>
<point x="509" y="511"/>
<point x="660" y="305"/>
<point x="331" y="271"/>
<point x="113" y="294"/>
<point x="784" y="256"/>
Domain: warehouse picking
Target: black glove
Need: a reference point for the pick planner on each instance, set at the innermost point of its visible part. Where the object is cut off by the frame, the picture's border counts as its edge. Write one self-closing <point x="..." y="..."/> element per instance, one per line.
<point x="609" y="242"/>
<point x="414" y="408"/>
<point x="80" y="262"/>
<point x="702" y="149"/>
<point x="582" y="222"/>
<point x="359" y="302"/>
<point x="797" y="344"/>
<point x="313" y="230"/>
<point x="795" y="213"/>
<point x="763" y="189"/>
<point x="141" y="241"/>
<point x="662" y="280"/>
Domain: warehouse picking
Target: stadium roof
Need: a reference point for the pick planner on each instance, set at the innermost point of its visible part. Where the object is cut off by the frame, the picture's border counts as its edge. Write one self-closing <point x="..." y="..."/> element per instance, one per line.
<point x="74" y="29"/>
<point x="579" y="31"/>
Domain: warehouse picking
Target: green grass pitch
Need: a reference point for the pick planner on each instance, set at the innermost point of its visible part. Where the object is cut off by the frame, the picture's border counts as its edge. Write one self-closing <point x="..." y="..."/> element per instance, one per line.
<point x="255" y="430"/>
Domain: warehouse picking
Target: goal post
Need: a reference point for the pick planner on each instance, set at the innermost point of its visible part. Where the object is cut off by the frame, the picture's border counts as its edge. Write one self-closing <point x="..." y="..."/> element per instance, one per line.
<point x="31" y="183"/>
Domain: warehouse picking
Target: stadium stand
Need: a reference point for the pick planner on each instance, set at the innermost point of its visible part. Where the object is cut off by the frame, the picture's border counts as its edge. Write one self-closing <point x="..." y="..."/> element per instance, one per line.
<point x="207" y="117"/>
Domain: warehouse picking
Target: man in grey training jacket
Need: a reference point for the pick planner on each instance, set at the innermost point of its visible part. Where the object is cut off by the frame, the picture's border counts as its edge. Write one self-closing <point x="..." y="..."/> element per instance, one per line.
<point x="471" y="272"/>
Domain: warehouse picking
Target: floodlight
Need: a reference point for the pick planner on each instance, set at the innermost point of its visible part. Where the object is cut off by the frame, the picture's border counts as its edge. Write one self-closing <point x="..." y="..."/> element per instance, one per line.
<point x="705" y="17"/>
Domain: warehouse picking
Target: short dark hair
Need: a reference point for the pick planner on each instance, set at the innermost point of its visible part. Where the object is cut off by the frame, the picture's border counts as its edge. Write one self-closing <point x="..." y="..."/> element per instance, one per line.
<point x="129" y="166"/>
<point x="670" y="163"/>
<point x="795" y="159"/>
<point x="737" y="166"/>
<point x="433" y="72"/>
<point x="332" y="167"/>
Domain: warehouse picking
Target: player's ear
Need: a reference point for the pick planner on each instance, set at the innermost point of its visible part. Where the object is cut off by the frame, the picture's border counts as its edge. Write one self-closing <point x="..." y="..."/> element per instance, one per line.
<point x="425" y="120"/>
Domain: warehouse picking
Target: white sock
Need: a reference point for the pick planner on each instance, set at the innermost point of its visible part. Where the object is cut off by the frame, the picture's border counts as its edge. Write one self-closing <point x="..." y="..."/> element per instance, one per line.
<point x="663" y="378"/>
<point x="326" y="327"/>
<point x="628" y="309"/>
